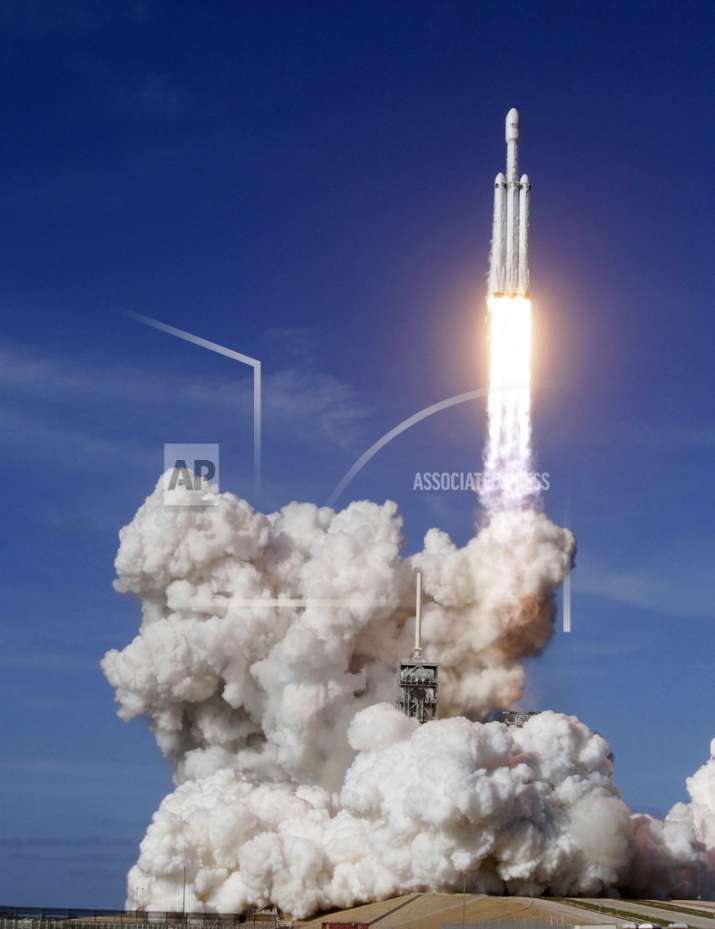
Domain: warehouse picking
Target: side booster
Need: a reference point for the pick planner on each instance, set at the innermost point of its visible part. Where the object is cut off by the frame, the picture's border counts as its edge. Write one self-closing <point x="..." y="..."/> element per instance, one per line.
<point x="509" y="260"/>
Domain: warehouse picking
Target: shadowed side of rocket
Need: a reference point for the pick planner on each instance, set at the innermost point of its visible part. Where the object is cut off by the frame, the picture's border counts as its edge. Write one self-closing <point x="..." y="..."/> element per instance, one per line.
<point x="509" y="260"/>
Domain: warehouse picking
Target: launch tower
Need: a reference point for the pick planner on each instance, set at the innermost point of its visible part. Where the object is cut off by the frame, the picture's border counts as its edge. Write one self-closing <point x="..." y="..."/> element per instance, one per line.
<point x="417" y="681"/>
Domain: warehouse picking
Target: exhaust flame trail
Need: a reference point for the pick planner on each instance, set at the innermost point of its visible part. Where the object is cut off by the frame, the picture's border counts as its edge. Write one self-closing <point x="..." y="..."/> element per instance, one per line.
<point x="509" y="482"/>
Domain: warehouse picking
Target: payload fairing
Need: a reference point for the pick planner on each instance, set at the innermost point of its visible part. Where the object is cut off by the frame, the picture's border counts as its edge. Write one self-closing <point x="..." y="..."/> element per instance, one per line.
<point x="509" y="260"/>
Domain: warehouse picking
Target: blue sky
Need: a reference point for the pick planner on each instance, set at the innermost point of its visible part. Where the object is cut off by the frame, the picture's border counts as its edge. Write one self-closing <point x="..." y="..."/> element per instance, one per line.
<point x="312" y="187"/>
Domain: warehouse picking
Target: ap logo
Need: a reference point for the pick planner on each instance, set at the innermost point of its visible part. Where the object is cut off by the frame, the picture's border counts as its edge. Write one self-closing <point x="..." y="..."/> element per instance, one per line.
<point x="190" y="475"/>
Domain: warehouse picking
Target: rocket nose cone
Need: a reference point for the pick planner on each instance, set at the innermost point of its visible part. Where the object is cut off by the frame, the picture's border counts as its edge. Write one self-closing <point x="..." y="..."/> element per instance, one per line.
<point x="499" y="180"/>
<point x="525" y="180"/>
<point x="512" y="124"/>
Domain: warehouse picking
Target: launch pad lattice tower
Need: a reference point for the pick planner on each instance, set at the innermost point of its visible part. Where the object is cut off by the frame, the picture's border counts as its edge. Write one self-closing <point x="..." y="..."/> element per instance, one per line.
<point x="417" y="681"/>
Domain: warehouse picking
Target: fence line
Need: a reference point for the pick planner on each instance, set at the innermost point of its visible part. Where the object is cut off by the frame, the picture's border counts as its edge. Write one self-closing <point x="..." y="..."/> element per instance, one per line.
<point x="197" y="920"/>
<point x="57" y="918"/>
<point x="207" y="920"/>
<point x="23" y="920"/>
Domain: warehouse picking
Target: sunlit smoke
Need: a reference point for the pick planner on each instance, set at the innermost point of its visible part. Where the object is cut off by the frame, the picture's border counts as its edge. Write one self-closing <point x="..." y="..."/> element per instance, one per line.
<point x="265" y="667"/>
<point x="509" y="482"/>
<point x="255" y="705"/>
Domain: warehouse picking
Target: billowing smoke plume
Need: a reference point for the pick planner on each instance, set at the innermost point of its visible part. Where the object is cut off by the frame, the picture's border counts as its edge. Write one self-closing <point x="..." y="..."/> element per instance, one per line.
<point x="420" y="808"/>
<point x="677" y="855"/>
<point x="265" y="665"/>
<point x="226" y="679"/>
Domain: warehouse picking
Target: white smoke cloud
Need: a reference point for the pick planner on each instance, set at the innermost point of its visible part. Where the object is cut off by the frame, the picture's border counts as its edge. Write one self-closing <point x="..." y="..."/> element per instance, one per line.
<point x="217" y="673"/>
<point x="677" y="855"/>
<point x="420" y="808"/>
<point x="297" y="782"/>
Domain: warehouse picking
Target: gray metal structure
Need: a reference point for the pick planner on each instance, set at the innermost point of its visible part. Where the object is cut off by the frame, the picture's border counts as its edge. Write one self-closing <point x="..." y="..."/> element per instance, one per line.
<point x="516" y="718"/>
<point x="418" y="679"/>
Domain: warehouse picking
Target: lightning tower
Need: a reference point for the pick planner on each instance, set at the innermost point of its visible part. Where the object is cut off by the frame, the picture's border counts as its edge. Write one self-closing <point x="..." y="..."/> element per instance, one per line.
<point x="417" y="681"/>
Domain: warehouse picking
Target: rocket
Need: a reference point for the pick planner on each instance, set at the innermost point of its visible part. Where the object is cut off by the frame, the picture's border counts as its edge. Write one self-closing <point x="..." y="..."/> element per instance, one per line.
<point x="509" y="259"/>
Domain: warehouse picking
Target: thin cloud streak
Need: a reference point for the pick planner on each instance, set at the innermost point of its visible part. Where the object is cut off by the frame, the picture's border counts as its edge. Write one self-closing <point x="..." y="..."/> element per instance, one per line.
<point x="299" y="402"/>
<point x="666" y="592"/>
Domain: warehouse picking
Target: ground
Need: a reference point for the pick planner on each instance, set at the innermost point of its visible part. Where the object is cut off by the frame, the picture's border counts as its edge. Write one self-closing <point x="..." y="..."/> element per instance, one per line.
<point x="436" y="911"/>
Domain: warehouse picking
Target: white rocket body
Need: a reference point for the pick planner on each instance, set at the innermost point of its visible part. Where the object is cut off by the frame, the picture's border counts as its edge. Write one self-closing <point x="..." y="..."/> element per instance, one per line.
<point x="509" y="261"/>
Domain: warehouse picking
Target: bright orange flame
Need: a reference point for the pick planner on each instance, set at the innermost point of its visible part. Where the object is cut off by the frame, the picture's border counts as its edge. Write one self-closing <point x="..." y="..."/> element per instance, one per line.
<point x="510" y="343"/>
<point x="508" y="457"/>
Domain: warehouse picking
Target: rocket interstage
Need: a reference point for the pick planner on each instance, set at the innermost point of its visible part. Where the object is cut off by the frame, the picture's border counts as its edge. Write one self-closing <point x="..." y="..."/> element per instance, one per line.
<point x="509" y="260"/>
